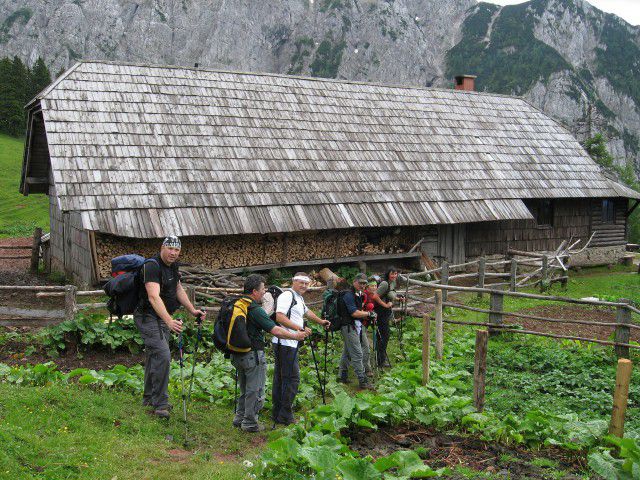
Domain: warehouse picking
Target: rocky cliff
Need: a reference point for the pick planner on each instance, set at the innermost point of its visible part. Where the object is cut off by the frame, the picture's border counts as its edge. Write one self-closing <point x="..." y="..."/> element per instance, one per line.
<point x="578" y="64"/>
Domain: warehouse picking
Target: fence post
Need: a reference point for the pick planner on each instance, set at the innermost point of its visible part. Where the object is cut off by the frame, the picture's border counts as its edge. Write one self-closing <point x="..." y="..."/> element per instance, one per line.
<point x="620" y="397"/>
<point x="623" y="318"/>
<point x="444" y="278"/>
<point x="35" y="250"/>
<point x="513" y="275"/>
<point x="496" y="305"/>
<point x="544" y="274"/>
<point x="482" y="268"/>
<point x="480" y="369"/>
<point x="426" y="348"/>
<point x="70" y="301"/>
<point x="439" y="324"/>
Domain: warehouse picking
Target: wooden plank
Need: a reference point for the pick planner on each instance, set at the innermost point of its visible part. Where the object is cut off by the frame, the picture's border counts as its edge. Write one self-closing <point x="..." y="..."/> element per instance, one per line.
<point x="32" y="313"/>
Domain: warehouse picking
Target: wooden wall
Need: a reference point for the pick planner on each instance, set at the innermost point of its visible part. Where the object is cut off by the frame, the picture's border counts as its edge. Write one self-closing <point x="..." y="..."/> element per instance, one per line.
<point x="576" y="218"/>
<point x="608" y="234"/>
<point x="70" y="246"/>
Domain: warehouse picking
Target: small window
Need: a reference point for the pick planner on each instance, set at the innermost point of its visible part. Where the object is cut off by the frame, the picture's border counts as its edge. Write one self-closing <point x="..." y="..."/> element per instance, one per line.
<point x="542" y="211"/>
<point x="608" y="211"/>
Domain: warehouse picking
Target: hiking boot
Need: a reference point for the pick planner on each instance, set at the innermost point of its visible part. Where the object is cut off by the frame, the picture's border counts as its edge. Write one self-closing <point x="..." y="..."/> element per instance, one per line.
<point x="237" y="424"/>
<point x="366" y="385"/>
<point x="161" y="413"/>
<point x="370" y="373"/>
<point x="254" y="429"/>
<point x="342" y="379"/>
<point x="147" y="403"/>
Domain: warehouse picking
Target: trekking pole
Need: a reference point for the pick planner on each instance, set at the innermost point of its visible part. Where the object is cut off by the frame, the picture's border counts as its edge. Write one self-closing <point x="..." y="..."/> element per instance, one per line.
<point x="315" y="362"/>
<point x="326" y="344"/>
<point x="375" y="347"/>
<point x="184" y="397"/>
<point x="235" y="395"/>
<point x="195" y="351"/>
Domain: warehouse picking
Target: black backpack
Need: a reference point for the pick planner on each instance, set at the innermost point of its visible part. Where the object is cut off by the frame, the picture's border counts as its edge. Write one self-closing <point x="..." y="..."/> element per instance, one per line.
<point x="334" y="309"/>
<point x="230" y="328"/>
<point x="275" y="292"/>
<point x="123" y="289"/>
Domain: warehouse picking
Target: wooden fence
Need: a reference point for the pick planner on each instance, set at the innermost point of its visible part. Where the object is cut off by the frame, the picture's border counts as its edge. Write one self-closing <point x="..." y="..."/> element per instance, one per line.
<point x="496" y="325"/>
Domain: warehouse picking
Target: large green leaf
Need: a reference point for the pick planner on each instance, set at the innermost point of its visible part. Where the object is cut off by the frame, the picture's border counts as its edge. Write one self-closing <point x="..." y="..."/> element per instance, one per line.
<point x="321" y="459"/>
<point x="606" y="466"/>
<point x="344" y="404"/>
<point x="358" y="469"/>
<point x="284" y="448"/>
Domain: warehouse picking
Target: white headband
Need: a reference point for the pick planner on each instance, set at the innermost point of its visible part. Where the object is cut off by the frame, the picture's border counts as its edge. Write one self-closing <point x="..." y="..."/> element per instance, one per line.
<point x="302" y="278"/>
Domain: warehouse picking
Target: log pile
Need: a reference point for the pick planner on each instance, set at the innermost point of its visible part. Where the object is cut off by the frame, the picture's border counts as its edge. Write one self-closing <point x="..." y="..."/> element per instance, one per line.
<point x="234" y="251"/>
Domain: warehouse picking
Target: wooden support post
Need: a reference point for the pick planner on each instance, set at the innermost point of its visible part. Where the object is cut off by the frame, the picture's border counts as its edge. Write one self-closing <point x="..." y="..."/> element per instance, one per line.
<point x="426" y="348"/>
<point x="482" y="268"/>
<point x="70" y="302"/>
<point x="444" y="278"/>
<point x="191" y="294"/>
<point x="496" y="306"/>
<point x="544" y="274"/>
<point x="439" y="325"/>
<point x="480" y="369"/>
<point x="620" y="397"/>
<point x="513" y="275"/>
<point x="35" y="250"/>
<point x="362" y="266"/>
<point x="623" y="319"/>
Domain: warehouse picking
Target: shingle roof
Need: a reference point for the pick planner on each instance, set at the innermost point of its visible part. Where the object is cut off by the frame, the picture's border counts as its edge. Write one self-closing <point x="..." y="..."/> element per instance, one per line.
<point x="142" y="150"/>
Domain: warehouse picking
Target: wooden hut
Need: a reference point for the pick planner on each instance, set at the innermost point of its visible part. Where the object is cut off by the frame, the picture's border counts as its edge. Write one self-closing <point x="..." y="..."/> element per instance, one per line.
<point x="263" y="169"/>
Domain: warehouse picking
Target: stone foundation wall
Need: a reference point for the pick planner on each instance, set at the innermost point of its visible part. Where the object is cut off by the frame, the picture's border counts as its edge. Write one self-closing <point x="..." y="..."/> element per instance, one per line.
<point x="594" y="256"/>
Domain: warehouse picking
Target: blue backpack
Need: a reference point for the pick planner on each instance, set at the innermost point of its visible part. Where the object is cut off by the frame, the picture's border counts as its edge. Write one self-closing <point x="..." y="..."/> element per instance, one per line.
<point x="123" y="289"/>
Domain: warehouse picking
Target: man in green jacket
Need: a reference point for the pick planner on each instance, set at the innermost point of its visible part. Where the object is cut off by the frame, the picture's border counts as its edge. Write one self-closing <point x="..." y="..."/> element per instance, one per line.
<point x="252" y="366"/>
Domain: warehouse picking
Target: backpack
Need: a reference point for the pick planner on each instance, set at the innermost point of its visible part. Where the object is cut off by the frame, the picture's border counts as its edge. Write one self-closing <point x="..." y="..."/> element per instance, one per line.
<point x="274" y="293"/>
<point x="230" y="328"/>
<point x="333" y="309"/>
<point x="123" y="289"/>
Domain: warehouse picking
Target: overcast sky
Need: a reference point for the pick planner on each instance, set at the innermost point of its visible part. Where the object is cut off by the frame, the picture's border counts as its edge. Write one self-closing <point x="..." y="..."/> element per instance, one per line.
<point x="627" y="9"/>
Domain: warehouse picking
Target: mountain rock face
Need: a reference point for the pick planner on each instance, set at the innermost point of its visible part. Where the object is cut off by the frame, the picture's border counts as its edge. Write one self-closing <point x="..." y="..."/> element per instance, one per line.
<point x="576" y="63"/>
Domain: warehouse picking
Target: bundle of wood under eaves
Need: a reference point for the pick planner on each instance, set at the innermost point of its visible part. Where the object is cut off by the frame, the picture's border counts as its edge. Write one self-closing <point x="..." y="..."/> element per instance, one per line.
<point x="556" y="260"/>
<point x="198" y="276"/>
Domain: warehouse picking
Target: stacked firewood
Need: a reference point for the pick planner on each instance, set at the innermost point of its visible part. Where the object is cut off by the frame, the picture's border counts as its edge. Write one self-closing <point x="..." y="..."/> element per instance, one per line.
<point x="234" y="251"/>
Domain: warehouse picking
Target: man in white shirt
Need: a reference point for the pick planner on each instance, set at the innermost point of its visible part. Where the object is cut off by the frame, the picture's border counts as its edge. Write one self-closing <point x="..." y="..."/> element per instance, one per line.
<point x="290" y="313"/>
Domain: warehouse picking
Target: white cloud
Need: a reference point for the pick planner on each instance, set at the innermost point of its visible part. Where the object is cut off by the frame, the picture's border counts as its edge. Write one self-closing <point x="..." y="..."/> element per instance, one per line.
<point x="626" y="9"/>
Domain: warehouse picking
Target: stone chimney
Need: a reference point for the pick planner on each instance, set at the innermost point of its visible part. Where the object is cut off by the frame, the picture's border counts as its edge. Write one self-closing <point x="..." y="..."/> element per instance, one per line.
<point x="466" y="82"/>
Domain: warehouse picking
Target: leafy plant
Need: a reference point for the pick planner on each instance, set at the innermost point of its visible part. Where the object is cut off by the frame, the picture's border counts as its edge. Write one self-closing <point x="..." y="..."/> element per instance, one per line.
<point x="627" y="467"/>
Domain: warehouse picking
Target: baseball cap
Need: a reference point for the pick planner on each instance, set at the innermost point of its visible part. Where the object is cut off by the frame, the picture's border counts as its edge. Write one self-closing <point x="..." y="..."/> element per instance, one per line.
<point x="361" y="278"/>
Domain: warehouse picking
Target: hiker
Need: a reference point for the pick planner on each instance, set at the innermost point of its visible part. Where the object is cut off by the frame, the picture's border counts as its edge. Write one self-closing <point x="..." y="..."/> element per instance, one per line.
<point x="356" y="344"/>
<point x="290" y="313"/>
<point x="384" y="308"/>
<point x="252" y="366"/>
<point x="161" y="294"/>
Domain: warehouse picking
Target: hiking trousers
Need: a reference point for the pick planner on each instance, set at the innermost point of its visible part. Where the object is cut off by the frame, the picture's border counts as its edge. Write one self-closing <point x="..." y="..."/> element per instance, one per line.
<point x="355" y="353"/>
<point x="383" y="332"/>
<point x="157" y="364"/>
<point x="286" y="379"/>
<point x="252" y="375"/>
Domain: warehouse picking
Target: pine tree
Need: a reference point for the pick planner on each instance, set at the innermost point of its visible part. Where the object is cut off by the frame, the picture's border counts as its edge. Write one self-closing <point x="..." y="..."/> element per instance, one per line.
<point x="39" y="78"/>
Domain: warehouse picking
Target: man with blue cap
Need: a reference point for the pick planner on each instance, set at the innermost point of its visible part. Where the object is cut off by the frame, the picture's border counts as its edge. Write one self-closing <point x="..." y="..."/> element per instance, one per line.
<point x="161" y="294"/>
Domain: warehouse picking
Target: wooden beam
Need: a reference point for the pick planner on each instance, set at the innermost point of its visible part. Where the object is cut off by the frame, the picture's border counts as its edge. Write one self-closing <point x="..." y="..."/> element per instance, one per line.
<point x="32" y="313"/>
<point x="37" y="181"/>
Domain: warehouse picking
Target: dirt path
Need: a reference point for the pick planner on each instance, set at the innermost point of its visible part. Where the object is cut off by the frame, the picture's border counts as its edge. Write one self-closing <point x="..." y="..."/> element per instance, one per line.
<point x="17" y="265"/>
<point x="571" y="312"/>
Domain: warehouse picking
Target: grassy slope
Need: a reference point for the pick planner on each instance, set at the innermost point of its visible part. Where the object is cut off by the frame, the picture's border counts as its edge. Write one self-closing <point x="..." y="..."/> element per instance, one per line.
<point x="18" y="214"/>
<point x="69" y="432"/>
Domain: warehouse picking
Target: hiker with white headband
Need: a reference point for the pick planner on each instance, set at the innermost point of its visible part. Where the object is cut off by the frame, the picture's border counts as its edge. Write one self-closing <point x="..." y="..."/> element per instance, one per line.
<point x="290" y="313"/>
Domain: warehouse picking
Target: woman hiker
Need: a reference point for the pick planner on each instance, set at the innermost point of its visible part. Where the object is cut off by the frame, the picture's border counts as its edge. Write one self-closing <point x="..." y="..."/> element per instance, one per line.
<point x="387" y="295"/>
